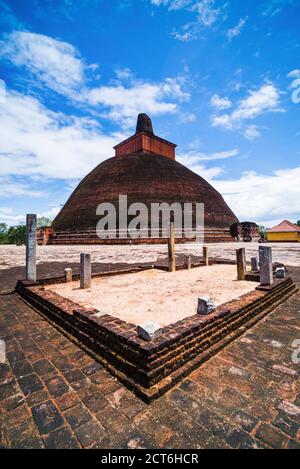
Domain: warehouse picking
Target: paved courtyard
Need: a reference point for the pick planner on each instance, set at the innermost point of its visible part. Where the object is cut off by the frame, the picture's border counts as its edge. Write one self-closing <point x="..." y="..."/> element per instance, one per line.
<point x="14" y="256"/>
<point x="54" y="395"/>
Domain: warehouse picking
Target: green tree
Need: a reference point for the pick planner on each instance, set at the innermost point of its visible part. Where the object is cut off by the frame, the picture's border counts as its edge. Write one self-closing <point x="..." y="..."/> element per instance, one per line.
<point x="3" y="233"/>
<point x="43" y="221"/>
<point x="298" y="222"/>
<point x="262" y="231"/>
<point x="17" y="235"/>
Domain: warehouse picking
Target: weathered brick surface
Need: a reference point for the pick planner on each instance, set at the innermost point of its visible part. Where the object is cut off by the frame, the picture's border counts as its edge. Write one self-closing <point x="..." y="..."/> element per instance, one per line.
<point x="145" y="177"/>
<point x="247" y="396"/>
<point x="152" y="368"/>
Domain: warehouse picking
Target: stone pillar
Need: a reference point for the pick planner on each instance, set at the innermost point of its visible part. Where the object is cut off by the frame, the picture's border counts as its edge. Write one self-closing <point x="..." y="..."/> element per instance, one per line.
<point x="31" y="247"/>
<point x="85" y="270"/>
<point x="265" y="262"/>
<point x="171" y="248"/>
<point x="68" y="275"/>
<point x="254" y="264"/>
<point x="205" y="255"/>
<point x="241" y="263"/>
<point x="188" y="262"/>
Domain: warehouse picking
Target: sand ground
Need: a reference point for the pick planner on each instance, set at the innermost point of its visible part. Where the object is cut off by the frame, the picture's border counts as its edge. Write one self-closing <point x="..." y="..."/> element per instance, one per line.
<point x="12" y="256"/>
<point x="163" y="297"/>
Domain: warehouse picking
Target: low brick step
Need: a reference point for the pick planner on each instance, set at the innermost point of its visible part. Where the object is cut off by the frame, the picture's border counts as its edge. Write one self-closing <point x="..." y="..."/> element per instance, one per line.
<point x="152" y="372"/>
<point x="205" y="339"/>
<point x="147" y="379"/>
<point x="167" y="383"/>
<point x="215" y="323"/>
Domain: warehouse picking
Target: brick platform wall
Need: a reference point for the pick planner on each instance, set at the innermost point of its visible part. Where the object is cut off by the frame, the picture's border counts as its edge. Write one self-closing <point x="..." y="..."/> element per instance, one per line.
<point x="151" y="368"/>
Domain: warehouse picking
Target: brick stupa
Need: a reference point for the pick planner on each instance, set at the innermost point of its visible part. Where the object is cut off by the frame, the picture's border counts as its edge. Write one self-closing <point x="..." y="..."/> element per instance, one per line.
<point x="145" y="169"/>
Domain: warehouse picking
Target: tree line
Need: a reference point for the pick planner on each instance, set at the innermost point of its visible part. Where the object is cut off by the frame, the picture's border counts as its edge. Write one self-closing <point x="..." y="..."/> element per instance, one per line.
<point x="17" y="234"/>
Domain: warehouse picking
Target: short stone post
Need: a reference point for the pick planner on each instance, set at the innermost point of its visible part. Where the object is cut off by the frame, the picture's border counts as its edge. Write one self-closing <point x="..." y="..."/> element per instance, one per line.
<point x="149" y="330"/>
<point x="241" y="263"/>
<point x="265" y="262"/>
<point x="254" y="264"/>
<point x="279" y="272"/>
<point x="205" y="305"/>
<point x="171" y="248"/>
<point x="85" y="270"/>
<point x="188" y="262"/>
<point x="31" y="247"/>
<point x="68" y="275"/>
<point x="205" y="255"/>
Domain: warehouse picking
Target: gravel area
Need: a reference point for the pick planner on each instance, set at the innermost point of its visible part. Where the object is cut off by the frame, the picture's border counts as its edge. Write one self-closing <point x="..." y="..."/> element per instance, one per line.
<point x="153" y="294"/>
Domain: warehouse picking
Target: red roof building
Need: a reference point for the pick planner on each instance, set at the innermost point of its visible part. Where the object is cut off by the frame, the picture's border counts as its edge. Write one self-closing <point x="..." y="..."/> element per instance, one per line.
<point x="285" y="231"/>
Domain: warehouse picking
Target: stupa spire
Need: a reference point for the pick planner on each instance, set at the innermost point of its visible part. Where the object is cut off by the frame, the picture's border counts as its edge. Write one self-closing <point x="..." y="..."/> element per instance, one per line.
<point x="144" y="124"/>
<point x="144" y="141"/>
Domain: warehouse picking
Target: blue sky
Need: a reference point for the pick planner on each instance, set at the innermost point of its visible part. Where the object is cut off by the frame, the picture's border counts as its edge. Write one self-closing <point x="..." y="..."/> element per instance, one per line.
<point x="219" y="78"/>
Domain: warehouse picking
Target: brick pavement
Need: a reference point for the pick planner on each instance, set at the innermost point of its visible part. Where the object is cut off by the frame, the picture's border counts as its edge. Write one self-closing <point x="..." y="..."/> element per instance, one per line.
<point x="54" y="395"/>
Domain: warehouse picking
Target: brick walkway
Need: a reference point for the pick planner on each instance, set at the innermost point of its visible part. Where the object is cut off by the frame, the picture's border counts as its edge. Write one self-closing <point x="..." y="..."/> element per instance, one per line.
<point x="54" y="395"/>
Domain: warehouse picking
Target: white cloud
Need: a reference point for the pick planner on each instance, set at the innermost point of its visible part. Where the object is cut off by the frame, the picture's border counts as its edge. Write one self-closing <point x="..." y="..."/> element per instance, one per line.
<point x="159" y="2"/>
<point x="206" y="14"/>
<point x="37" y="141"/>
<point x="187" y="117"/>
<point x="265" y="99"/>
<point x="205" y="10"/>
<point x="179" y="4"/>
<point x="59" y="66"/>
<point x="55" y="63"/>
<point x="11" y="219"/>
<point x="294" y="74"/>
<point x="8" y="216"/>
<point x="6" y="210"/>
<point x="124" y="103"/>
<point x="193" y="159"/>
<point x="184" y="36"/>
<point x="195" y="156"/>
<point x="236" y="31"/>
<point x="203" y="171"/>
<point x="266" y="198"/>
<point x="251" y="132"/>
<point x="93" y="67"/>
<point x="124" y="73"/>
<point x="173" y="4"/>
<point x="10" y="187"/>
<point x="274" y="7"/>
<point x="220" y="103"/>
<point x="51" y="213"/>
